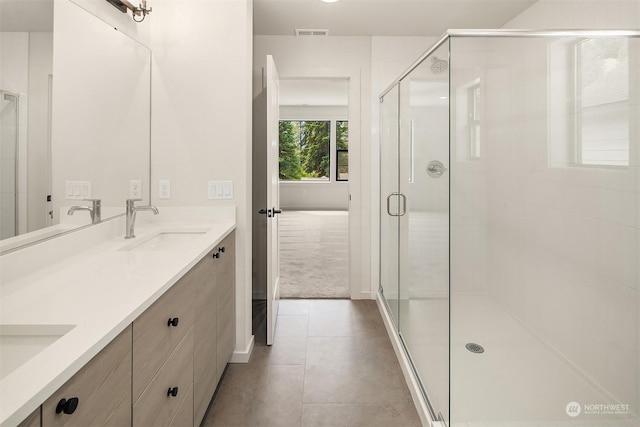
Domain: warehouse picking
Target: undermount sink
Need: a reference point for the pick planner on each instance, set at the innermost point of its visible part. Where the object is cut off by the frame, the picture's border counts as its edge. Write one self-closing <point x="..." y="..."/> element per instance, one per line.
<point x="20" y="343"/>
<point x="166" y="241"/>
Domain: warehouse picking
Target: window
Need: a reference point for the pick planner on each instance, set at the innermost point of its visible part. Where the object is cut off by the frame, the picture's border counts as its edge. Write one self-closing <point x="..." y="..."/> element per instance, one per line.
<point x="304" y="150"/>
<point x="602" y="102"/>
<point x="314" y="150"/>
<point x="589" y="102"/>
<point x="342" y="150"/>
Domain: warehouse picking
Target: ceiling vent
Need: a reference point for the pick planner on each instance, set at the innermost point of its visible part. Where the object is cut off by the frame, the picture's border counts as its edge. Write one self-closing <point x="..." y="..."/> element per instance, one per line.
<point x="312" y="33"/>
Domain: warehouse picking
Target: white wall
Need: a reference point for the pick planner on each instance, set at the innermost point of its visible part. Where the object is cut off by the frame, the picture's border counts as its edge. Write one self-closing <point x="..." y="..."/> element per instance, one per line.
<point x="201" y="117"/>
<point x="333" y="57"/>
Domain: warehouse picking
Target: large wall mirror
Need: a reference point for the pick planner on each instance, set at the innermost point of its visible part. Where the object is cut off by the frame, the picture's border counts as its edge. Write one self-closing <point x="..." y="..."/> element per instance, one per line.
<point x="74" y="118"/>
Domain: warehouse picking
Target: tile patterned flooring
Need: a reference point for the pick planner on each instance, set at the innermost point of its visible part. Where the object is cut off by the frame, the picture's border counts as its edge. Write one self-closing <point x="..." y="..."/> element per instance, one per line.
<point x="331" y="364"/>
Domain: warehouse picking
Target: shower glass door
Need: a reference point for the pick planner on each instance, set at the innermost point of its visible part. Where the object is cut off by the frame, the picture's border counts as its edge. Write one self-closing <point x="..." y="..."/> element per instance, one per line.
<point x="389" y="200"/>
<point x="8" y="158"/>
<point x="424" y="227"/>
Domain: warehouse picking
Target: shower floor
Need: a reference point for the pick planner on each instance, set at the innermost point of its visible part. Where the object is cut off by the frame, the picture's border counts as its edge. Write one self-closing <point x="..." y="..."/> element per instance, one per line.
<point x="517" y="381"/>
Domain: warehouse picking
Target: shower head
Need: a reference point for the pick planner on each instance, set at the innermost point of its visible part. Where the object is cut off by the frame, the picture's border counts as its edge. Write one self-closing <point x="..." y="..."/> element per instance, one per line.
<point x="439" y="65"/>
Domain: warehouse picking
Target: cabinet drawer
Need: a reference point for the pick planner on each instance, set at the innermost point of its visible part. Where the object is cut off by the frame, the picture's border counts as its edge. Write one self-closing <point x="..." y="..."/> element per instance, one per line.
<point x="154" y="338"/>
<point x="156" y="407"/>
<point x="102" y="387"/>
<point x="184" y="417"/>
<point x="33" y="420"/>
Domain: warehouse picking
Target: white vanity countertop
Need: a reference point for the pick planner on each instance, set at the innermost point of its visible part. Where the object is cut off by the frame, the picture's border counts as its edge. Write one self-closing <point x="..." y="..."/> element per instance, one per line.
<point x="100" y="290"/>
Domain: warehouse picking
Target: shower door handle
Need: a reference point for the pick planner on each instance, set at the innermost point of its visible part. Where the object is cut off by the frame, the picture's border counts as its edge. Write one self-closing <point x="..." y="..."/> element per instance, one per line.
<point x="404" y="204"/>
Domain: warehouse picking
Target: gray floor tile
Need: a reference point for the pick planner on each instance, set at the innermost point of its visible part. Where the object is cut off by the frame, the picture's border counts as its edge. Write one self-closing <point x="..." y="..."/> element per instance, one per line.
<point x="333" y="355"/>
<point x="294" y="306"/>
<point x="352" y="370"/>
<point x="284" y="351"/>
<point x="360" y="415"/>
<point x="253" y="395"/>
<point x="292" y="325"/>
<point x="340" y="318"/>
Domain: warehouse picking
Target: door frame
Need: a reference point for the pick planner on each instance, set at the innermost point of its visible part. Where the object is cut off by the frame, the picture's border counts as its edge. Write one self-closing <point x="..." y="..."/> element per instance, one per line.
<point x="357" y="270"/>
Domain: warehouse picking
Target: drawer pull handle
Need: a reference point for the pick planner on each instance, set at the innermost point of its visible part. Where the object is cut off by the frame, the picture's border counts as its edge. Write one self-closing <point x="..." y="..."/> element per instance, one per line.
<point x="173" y="321"/>
<point x="172" y="392"/>
<point x="221" y="248"/>
<point x="67" y="406"/>
<point x="216" y="255"/>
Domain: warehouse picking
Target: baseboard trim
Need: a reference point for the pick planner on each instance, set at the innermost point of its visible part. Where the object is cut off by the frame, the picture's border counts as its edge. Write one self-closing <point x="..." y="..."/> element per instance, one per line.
<point x="244" y="355"/>
<point x="409" y="377"/>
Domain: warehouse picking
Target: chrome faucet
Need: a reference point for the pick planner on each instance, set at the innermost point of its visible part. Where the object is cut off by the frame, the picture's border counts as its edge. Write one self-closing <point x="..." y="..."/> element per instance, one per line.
<point x="95" y="210"/>
<point x="131" y="215"/>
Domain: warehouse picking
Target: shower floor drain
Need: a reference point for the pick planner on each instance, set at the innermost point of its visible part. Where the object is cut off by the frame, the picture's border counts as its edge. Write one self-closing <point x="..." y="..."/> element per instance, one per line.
<point x="474" y="348"/>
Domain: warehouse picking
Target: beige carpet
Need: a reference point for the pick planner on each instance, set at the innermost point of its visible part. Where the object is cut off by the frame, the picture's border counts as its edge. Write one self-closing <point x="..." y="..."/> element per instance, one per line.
<point x="314" y="254"/>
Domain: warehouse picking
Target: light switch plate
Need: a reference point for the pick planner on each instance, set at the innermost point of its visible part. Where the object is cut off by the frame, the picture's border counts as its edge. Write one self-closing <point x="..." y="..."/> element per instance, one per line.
<point x="220" y="190"/>
<point x="164" y="189"/>
<point x="77" y="190"/>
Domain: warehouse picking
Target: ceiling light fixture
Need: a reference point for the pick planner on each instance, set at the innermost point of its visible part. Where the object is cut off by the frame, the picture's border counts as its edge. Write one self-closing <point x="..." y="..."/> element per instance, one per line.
<point x="329" y="1"/>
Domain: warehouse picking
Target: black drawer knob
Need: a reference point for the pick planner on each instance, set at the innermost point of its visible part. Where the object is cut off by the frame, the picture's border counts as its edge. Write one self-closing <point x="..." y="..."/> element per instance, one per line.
<point x="68" y="406"/>
<point x="216" y="255"/>
<point x="221" y="248"/>
<point x="173" y="321"/>
<point x="172" y="392"/>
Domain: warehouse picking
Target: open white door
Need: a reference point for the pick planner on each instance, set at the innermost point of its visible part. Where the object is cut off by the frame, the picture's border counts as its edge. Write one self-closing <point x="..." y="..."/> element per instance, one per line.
<point x="273" y="197"/>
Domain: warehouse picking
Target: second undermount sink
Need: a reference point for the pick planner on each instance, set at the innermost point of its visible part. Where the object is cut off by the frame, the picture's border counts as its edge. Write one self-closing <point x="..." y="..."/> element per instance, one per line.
<point x="20" y="343"/>
<point x="166" y="241"/>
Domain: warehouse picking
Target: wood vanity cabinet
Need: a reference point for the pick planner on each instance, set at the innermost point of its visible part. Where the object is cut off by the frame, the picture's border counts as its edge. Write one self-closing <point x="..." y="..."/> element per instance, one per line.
<point x="33" y="420"/>
<point x="98" y="394"/>
<point x="169" y="392"/>
<point x="214" y="333"/>
<point x="163" y="355"/>
<point x="163" y="369"/>
<point x="226" y="305"/>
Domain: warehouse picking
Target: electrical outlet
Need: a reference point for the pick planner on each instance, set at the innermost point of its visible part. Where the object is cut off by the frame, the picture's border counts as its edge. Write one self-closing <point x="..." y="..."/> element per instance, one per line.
<point x="164" y="189"/>
<point x="135" y="189"/>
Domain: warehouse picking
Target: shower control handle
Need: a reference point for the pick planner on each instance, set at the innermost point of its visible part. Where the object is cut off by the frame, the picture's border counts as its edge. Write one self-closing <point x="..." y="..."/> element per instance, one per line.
<point x="436" y="169"/>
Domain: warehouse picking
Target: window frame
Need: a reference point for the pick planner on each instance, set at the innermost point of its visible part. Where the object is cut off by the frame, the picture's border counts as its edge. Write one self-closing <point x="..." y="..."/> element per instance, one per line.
<point x="579" y="110"/>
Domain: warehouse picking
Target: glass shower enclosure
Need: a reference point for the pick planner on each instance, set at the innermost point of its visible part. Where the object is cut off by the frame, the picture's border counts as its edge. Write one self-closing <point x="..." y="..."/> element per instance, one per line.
<point x="510" y="226"/>
<point x="9" y="163"/>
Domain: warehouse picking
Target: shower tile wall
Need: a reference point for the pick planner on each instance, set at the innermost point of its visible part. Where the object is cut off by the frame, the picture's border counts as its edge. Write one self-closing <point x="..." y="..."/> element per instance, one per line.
<point x="562" y="243"/>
